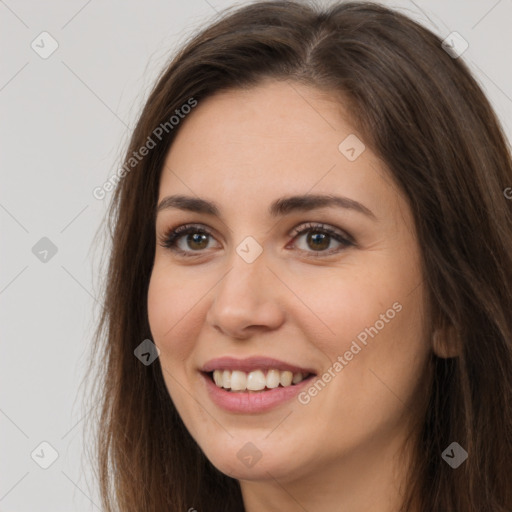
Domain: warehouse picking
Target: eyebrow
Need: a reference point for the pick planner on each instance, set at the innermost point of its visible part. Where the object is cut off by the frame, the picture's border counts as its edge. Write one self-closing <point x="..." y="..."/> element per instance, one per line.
<point x="278" y="208"/>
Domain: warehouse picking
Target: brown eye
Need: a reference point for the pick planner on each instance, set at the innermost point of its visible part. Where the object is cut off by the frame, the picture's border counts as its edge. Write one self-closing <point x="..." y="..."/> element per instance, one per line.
<point x="197" y="241"/>
<point x="186" y="240"/>
<point x="319" y="238"/>
<point x="192" y="240"/>
<point x="318" y="241"/>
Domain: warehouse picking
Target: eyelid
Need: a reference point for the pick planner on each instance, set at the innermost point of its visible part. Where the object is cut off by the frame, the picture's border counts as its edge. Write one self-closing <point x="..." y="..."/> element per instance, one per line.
<point x="321" y="226"/>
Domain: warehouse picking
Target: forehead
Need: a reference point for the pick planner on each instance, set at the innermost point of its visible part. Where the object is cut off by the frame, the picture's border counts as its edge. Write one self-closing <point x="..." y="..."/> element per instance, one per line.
<point x="275" y="139"/>
<point x="275" y="120"/>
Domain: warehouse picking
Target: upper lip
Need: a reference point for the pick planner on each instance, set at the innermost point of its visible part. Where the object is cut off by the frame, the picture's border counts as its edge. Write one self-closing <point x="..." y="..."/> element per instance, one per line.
<point x="253" y="363"/>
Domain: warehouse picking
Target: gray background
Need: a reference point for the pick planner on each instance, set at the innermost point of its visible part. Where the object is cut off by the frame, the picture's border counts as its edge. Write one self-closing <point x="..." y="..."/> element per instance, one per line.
<point x="65" y="121"/>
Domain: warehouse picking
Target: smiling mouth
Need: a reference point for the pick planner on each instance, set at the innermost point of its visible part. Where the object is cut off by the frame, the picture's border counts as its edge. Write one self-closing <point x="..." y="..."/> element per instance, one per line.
<point x="256" y="381"/>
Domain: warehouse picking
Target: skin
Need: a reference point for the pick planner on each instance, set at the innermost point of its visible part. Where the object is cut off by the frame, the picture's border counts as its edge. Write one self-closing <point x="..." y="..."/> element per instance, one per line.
<point x="243" y="149"/>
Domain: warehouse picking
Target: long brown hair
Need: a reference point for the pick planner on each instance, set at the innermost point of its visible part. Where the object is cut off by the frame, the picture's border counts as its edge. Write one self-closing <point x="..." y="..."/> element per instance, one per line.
<point x="420" y="110"/>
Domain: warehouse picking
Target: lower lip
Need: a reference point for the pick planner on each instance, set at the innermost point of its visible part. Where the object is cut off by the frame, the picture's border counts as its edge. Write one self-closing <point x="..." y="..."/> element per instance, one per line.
<point x="255" y="402"/>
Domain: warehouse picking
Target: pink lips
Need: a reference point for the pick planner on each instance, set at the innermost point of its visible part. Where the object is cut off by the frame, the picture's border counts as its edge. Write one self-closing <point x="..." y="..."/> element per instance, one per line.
<point x="252" y="402"/>
<point x="252" y="363"/>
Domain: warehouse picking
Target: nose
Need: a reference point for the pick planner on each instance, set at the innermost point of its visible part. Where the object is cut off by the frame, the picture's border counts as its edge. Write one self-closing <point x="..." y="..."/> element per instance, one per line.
<point x="246" y="300"/>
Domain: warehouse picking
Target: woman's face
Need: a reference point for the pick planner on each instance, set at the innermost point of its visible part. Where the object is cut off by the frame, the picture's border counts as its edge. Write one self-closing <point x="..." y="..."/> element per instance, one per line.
<point x="340" y="305"/>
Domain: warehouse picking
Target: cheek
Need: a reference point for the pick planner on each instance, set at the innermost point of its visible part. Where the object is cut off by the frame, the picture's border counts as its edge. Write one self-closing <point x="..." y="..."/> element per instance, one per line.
<point x="172" y="308"/>
<point x="384" y="349"/>
<point x="372" y="316"/>
<point x="343" y="305"/>
<point x="160" y="298"/>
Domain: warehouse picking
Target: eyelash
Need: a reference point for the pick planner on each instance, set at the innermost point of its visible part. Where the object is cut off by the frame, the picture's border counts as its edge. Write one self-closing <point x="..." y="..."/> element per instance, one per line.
<point x="170" y="238"/>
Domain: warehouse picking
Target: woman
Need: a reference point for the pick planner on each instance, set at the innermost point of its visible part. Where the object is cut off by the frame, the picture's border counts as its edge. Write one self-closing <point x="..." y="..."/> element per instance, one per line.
<point x="309" y="292"/>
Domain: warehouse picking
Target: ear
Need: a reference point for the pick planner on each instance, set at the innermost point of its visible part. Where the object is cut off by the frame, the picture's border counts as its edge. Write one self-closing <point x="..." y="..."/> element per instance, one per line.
<point x="446" y="343"/>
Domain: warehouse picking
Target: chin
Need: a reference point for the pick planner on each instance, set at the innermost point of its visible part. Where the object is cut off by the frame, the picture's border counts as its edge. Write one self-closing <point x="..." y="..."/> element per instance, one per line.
<point x="247" y="460"/>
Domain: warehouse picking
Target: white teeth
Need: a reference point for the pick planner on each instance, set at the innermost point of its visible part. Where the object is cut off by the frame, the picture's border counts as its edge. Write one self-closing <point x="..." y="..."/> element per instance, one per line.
<point x="273" y="378"/>
<point x="226" y="379"/>
<point x="286" y="378"/>
<point x="256" y="380"/>
<point x="297" y="377"/>
<point x="238" y="380"/>
<point x="217" y="377"/>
